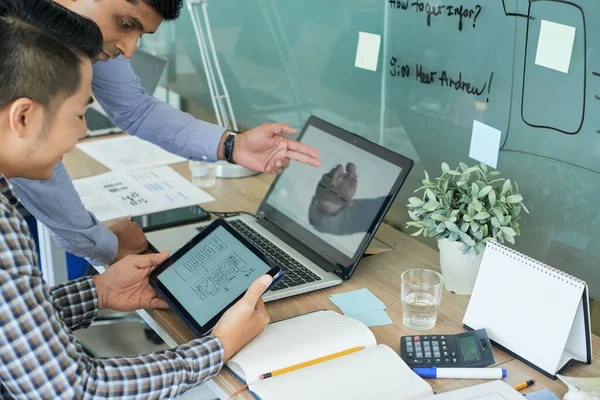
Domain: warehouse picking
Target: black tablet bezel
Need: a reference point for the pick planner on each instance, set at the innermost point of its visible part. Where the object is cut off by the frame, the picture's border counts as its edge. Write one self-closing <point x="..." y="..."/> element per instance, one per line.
<point x="176" y="306"/>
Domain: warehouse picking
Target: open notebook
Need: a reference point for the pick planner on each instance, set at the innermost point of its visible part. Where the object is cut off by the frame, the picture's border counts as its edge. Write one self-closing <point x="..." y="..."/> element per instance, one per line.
<point x="374" y="371"/>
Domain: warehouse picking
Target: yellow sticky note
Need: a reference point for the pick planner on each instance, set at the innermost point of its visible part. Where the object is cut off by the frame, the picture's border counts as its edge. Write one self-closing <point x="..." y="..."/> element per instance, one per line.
<point x="555" y="46"/>
<point x="367" y="51"/>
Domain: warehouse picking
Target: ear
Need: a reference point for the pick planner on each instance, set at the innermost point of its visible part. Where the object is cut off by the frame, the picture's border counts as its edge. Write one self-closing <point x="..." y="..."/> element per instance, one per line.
<point x="20" y="115"/>
<point x="23" y="116"/>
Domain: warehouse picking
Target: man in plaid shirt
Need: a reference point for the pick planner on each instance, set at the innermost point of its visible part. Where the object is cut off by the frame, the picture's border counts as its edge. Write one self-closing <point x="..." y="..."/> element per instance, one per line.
<point x="45" y="88"/>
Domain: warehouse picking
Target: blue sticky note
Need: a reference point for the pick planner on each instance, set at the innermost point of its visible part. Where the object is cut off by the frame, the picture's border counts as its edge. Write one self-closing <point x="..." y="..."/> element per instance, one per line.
<point x="485" y="144"/>
<point x="541" y="395"/>
<point x="357" y="302"/>
<point x="374" y="318"/>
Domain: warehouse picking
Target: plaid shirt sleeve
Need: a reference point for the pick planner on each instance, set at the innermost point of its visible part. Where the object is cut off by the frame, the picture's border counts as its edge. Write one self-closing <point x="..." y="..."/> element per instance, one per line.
<point x="76" y="302"/>
<point x="40" y="358"/>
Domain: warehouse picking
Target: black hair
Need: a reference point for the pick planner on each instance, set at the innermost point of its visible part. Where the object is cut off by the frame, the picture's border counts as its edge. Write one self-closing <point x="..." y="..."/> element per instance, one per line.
<point x="168" y="9"/>
<point x="42" y="46"/>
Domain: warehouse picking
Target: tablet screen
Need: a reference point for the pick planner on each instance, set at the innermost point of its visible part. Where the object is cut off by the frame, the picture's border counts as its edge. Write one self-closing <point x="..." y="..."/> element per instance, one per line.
<point x="212" y="274"/>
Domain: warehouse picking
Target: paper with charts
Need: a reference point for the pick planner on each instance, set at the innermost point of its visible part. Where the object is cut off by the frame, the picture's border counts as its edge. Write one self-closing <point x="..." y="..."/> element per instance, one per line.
<point x="121" y="194"/>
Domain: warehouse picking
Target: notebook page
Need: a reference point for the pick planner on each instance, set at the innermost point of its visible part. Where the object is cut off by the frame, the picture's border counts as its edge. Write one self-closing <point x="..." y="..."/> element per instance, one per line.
<point x="375" y="372"/>
<point x="524" y="306"/>
<point x="299" y="339"/>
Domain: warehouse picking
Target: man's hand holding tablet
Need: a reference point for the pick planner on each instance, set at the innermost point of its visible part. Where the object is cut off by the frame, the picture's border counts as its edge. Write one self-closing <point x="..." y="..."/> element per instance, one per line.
<point x="124" y="287"/>
<point x="245" y="320"/>
<point x="215" y="283"/>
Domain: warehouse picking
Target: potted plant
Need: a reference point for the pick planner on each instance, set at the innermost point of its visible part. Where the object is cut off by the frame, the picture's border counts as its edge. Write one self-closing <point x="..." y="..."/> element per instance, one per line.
<point x="463" y="209"/>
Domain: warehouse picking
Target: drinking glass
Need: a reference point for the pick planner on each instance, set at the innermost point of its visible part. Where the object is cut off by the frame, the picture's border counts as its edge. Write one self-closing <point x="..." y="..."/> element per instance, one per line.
<point x="421" y="295"/>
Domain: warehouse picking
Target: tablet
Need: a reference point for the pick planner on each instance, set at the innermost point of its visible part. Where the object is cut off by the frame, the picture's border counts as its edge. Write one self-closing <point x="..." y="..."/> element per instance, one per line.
<point x="209" y="274"/>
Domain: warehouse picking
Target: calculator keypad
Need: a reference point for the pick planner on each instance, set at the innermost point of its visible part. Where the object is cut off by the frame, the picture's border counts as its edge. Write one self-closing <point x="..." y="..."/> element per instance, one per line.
<point x="429" y="350"/>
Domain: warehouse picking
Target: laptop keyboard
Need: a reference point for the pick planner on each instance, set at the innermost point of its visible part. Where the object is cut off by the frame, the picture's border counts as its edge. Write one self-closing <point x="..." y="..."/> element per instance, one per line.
<point x="295" y="274"/>
<point x="96" y="120"/>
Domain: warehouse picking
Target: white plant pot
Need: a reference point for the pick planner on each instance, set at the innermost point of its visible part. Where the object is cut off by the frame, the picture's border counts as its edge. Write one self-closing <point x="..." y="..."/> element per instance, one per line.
<point x="458" y="272"/>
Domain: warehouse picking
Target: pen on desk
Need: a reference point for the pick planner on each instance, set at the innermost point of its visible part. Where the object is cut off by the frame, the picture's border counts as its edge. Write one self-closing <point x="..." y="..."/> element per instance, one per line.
<point x="524" y="384"/>
<point x="309" y="363"/>
<point x="461" y="373"/>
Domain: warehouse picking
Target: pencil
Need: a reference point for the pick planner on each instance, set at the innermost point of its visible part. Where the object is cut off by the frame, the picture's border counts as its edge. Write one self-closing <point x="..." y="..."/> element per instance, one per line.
<point x="309" y="363"/>
<point x="524" y="384"/>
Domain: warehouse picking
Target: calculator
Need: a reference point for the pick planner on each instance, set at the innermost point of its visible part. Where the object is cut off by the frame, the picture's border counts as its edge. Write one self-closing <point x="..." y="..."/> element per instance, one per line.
<point x="468" y="349"/>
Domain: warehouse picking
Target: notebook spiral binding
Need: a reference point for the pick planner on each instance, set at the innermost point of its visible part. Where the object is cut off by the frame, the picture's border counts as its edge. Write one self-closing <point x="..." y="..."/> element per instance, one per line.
<point x="532" y="262"/>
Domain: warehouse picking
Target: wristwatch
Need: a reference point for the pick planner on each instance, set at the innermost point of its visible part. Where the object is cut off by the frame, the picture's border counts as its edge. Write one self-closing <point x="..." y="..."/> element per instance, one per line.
<point x="228" y="146"/>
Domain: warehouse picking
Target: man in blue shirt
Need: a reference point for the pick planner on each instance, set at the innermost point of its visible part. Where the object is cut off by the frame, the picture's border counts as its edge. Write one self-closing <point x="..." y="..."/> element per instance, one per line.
<point x="55" y="202"/>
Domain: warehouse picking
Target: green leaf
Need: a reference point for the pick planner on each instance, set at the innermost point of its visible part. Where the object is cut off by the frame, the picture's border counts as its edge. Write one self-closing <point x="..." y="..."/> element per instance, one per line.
<point x="454" y="172"/>
<point x="481" y="215"/>
<point x="440" y="228"/>
<point x="464" y="227"/>
<point x="417" y="233"/>
<point x="508" y="231"/>
<point x="510" y="239"/>
<point x="415" y="201"/>
<point x="474" y="190"/>
<point x="445" y="185"/>
<point x="451" y="227"/>
<point x="466" y="239"/>
<point x="499" y="214"/>
<point x="478" y="235"/>
<point x="494" y="173"/>
<point x="485" y="231"/>
<point x="453" y="237"/>
<point x="477" y="205"/>
<point x="515" y="198"/>
<point x="438" y="217"/>
<point x="492" y="197"/>
<point x="483" y="167"/>
<point x="463" y="166"/>
<point x="515" y="226"/>
<point x="505" y="187"/>
<point x="429" y="194"/>
<point x="499" y="236"/>
<point x="429" y="223"/>
<point x="524" y="208"/>
<point x="431" y="206"/>
<point x="496" y="222"/>
<point x="426" y="175"/>
<point x="484" y="192"/>
<point x="471" y="210"/>
<point x="445" y="167"/>
<point x="474" y="226"/>
<point x="414" y="215"/>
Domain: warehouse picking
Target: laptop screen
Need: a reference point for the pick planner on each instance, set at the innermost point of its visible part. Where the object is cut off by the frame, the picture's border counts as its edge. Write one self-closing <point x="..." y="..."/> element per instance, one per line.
<point x="335" y="208"/>
<point x="148" y="68"/>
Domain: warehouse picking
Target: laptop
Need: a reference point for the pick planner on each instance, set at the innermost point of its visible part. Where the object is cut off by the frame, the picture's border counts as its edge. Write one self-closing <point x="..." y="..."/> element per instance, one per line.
<point x="148" y="69"/>
<point x="317" y="222"/>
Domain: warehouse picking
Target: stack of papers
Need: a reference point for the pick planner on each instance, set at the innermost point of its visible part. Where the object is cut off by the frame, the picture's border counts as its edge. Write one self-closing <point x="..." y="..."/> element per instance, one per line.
<point x="363" y="306"/>
<point x="128" y="153"/>
<point x="121" y="194"/>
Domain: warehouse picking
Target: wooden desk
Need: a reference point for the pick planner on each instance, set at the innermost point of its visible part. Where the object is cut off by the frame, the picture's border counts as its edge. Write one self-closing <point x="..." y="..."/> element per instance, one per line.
<point x="380" y="273"/>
